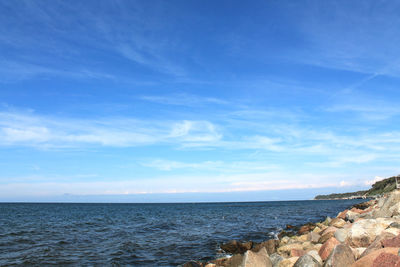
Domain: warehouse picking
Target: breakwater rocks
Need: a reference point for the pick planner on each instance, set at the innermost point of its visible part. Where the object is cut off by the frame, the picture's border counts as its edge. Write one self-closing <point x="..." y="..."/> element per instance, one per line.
<point x="367" y="235"/>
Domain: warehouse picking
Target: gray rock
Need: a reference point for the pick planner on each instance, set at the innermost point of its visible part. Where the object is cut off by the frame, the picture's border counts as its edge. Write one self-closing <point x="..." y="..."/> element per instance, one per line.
<point x="275" y="259"/>
<point x="313" y="237"/>
<point x="307" y="261"/>
<point x="341" y="234"/>
<point x="341" y="256"/>
<point x="315" y="255"/>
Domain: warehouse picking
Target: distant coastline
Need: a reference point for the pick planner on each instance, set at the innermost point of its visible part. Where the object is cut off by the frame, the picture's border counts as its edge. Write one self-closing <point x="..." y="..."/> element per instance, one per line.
<point x="378" y="189"/>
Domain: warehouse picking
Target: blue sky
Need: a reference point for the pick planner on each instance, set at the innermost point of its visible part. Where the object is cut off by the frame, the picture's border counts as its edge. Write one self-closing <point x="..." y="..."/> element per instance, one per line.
<point x="197" y="100"/>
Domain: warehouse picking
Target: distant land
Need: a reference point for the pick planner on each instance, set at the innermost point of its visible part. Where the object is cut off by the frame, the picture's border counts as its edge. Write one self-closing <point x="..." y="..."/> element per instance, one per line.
<point x="381" y="187"/>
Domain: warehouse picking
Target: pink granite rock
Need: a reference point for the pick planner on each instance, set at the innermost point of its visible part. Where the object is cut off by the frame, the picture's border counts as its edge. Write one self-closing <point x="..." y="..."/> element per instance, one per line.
<point x="327" y="248"/>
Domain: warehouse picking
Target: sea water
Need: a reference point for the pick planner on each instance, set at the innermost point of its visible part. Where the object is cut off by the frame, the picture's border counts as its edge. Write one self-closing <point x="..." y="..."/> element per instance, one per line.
<point x="143" y="234"/>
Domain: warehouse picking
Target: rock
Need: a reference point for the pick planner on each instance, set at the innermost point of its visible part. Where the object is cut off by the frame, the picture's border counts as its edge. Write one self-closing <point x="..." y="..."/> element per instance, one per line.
<point x="260" y="258"/>
<point x="234" y="261"/>
<point x="340" y="256"/>
<point x="392" y="230"/>
<point x="364" y="205"/>
<point x="313" y="237"/>
<point x="288" y="262"/>
<point x="306" y="228"/>
<point x="395" y="225"/>
<point x="368" y="260"/>
<point x="392" y="199"/>
<point x="211" y="265"/>
<point x="387" y="260"/>
<point x="284" y="233"/>
<point x="327" y="248"/>
<point x="286" y="249"/>
<point x="315" y="255"/>
<point x="321" y="226"/>
<point x="395" y="209"/>
<point x="290" y="227"/>
<point x="308" y="245"/>
<point x="235" y="247"/>
<point x="275" y="259"/>
<point x="328" y="230"/>
<point x="352" y="216"/>
<point x="327" y="221"/>
<point x="297" y="253"/>
<point x="192" y="264"/>
<point x="325" y="237"/>
<point x="377" y="243"/>
<point x="363" y="232"/>
<point x="342" y="215"/>
<point x="317" y="230"/>
<point x="357" y="252"/>
<point x="303" y="238"/>
<point x="307" y="261"/>
<point x="337" y="222"/>
<point x="317" y="246"/>
<point x="357" y="210"/>
<point x="270" y="246"/>
<point x="284" y="240"/>
<point x="341" y="234"/>
<point x="391" y="242"/>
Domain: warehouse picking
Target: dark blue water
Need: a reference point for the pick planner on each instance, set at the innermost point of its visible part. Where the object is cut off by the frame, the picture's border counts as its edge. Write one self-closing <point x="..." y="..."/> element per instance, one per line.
<point x="143" y="234"/>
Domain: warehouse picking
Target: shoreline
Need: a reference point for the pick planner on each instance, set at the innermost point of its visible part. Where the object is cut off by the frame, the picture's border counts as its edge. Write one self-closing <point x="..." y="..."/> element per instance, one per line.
<point x="365" y="235"/>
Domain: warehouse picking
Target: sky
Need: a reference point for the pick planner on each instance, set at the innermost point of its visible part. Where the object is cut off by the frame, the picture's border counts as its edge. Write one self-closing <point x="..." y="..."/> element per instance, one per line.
<point x="158" y="101"/>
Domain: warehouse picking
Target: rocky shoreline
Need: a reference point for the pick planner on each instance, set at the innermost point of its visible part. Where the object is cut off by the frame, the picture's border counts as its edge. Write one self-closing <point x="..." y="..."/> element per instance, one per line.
<point x="367" y="235"/>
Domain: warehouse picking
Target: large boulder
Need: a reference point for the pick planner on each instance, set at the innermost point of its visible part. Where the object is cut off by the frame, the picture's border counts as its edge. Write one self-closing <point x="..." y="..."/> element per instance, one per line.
<point x="391" y="242"/>
<point x="326" y="237"/>
<point x="368" y="260"/>
<point x="341" y="255"/>
<point x="307" y="261"/>
<point x="377" y="243"/>
<point x="386" y="260"/>
<point x="327" y="248"/>
<point x="341" y="234"/>
<point x="337" y="222"/>
<point x="259" y="258"/>
<point x="364" y="232"/>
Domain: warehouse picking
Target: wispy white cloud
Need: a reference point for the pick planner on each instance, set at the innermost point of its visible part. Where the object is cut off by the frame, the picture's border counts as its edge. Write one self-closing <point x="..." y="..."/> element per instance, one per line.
<point x="183" y="100"/>
<point x="34" y="130"/>
<point x="216" y="166"/>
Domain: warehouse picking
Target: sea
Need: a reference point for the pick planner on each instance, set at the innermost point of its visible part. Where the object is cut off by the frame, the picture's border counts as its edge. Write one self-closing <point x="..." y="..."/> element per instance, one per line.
<point x="83" y="234"/>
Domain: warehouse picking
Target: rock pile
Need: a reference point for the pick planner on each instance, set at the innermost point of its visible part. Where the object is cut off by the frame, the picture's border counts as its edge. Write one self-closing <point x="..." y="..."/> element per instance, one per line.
<point x="365" y="236"/>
